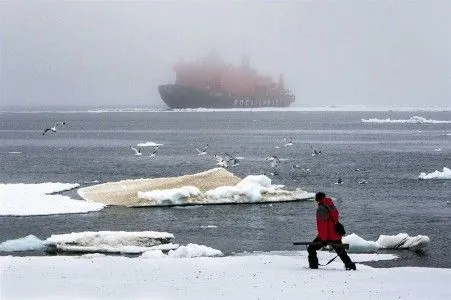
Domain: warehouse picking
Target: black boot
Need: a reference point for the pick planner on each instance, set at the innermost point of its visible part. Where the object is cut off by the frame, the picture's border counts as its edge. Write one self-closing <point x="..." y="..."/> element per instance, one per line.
<point x="313" y="263"/>
<point x="350" y="266"/>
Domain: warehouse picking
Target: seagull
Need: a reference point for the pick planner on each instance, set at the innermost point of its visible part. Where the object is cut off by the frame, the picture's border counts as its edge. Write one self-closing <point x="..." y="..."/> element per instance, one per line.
<point x="53" y="129"/>
<point x="339" y="181"/>
<point x="137" y="151"/>
<point x="290" y="143"/>
<point x="154" y="152"/>
<point x="363" y="181"/>
<point x="315" y="152"/>
<point x="235" y="161"/>
<point x="221" y="162"/>
<point x="274" y="160"/>
<point x="203" y="152"/>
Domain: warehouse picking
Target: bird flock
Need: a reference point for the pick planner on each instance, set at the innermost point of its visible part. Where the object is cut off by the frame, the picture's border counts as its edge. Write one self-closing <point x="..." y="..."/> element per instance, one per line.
<point x="227" y="160"/>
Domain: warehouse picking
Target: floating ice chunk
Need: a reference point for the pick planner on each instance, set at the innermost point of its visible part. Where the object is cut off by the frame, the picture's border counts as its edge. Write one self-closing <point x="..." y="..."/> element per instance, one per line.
<point x="358" y="244"/>
<point x="194" y="250"/>
<point x="111" y="242"/>
<point x="30" y="242"/>
<point x="403" y="241"/>
<point x="412" y="120"/>
<point x="399" y="241"/>
<point x="446" y="174"/>
<point x="149" y="144"/>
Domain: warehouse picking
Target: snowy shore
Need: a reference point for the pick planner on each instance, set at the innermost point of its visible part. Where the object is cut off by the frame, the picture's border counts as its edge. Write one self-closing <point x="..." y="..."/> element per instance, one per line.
<point x="264" y="276"/>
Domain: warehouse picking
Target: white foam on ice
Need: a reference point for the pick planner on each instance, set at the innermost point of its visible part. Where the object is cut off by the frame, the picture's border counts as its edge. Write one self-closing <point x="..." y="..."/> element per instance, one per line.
<point x="445" y="174"/>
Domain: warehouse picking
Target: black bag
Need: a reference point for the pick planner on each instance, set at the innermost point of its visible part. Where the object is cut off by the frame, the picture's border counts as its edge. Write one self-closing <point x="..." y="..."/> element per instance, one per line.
<point x="339" y="229"/>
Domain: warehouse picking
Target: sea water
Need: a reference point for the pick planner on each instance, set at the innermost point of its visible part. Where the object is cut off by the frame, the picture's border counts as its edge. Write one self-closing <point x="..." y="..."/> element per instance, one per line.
<point x="95" y="147"/>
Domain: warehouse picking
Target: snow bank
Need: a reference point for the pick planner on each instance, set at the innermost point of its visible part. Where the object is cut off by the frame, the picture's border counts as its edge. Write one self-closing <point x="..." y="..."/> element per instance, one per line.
<point x="40" y="199"/>
<point x="412" y="120"/>
<point x="399" y="241"/>
<point x="446" y="174"/>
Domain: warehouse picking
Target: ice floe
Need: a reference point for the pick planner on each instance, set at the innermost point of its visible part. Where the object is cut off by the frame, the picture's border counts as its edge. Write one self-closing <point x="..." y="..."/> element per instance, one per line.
<point x="111" y="242"/>
<point x="445" y="174"/>
<point x="412" y="120"/>
<point x="215" y="186"/>
<point x="21" y="199"/>
<point x="399" y="241"/>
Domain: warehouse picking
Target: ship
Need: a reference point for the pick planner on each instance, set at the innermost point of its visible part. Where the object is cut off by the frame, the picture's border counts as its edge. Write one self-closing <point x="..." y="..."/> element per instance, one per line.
<point x="211" y="83"/>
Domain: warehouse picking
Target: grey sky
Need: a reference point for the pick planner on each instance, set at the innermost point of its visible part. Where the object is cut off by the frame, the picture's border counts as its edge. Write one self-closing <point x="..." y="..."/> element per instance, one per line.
<point x="330" y="52"/>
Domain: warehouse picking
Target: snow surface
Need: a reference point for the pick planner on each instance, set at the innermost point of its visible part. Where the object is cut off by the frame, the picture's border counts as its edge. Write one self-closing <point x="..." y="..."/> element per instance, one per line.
<point x="412" y="120"/>
<point x="446" y="174"/>
<point x="262" y="276"/>
<point x="39" y="199"/>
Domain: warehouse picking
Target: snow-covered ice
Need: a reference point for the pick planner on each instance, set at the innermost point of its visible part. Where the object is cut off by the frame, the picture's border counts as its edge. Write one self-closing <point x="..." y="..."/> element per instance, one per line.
<point x="111" y="241"/>
<point x="399" y="241"/>
<point x="40" y="199"/>
<point x="446" y="174"/>
<point x="261" y="276"/>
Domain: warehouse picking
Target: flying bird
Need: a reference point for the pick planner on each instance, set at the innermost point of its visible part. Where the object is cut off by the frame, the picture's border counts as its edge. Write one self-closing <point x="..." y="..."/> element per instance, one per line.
<point x="315" y="152"/>
<point x="230" y="158"/>
<point x="137" y="151"/>
<point x="154" y="152"/>
<point x="53" y="128"/>
<point x="203" y="152"/>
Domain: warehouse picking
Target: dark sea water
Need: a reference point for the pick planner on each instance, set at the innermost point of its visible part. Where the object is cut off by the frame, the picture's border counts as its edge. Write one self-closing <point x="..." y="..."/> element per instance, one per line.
<point x="95" y="146"/>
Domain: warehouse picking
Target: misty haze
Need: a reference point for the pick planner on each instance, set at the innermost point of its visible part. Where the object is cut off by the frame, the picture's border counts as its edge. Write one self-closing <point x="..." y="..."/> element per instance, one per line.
<point x="390" y="53"/>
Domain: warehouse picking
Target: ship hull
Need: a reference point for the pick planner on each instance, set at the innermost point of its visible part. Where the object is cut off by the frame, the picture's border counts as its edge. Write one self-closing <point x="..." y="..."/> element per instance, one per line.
<point x="181" y="96"/>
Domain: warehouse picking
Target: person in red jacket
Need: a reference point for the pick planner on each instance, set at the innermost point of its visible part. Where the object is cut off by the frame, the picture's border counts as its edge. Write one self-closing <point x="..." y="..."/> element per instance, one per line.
<point x="326" y="216"/>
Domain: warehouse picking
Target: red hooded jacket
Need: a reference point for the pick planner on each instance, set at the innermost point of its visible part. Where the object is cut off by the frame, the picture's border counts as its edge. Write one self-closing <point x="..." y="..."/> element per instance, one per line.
<point x="326" y="217"/>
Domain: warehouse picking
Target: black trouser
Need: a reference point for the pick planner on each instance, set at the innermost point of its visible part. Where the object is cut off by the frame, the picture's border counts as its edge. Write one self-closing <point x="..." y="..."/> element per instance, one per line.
<point x="312" y="248"/>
